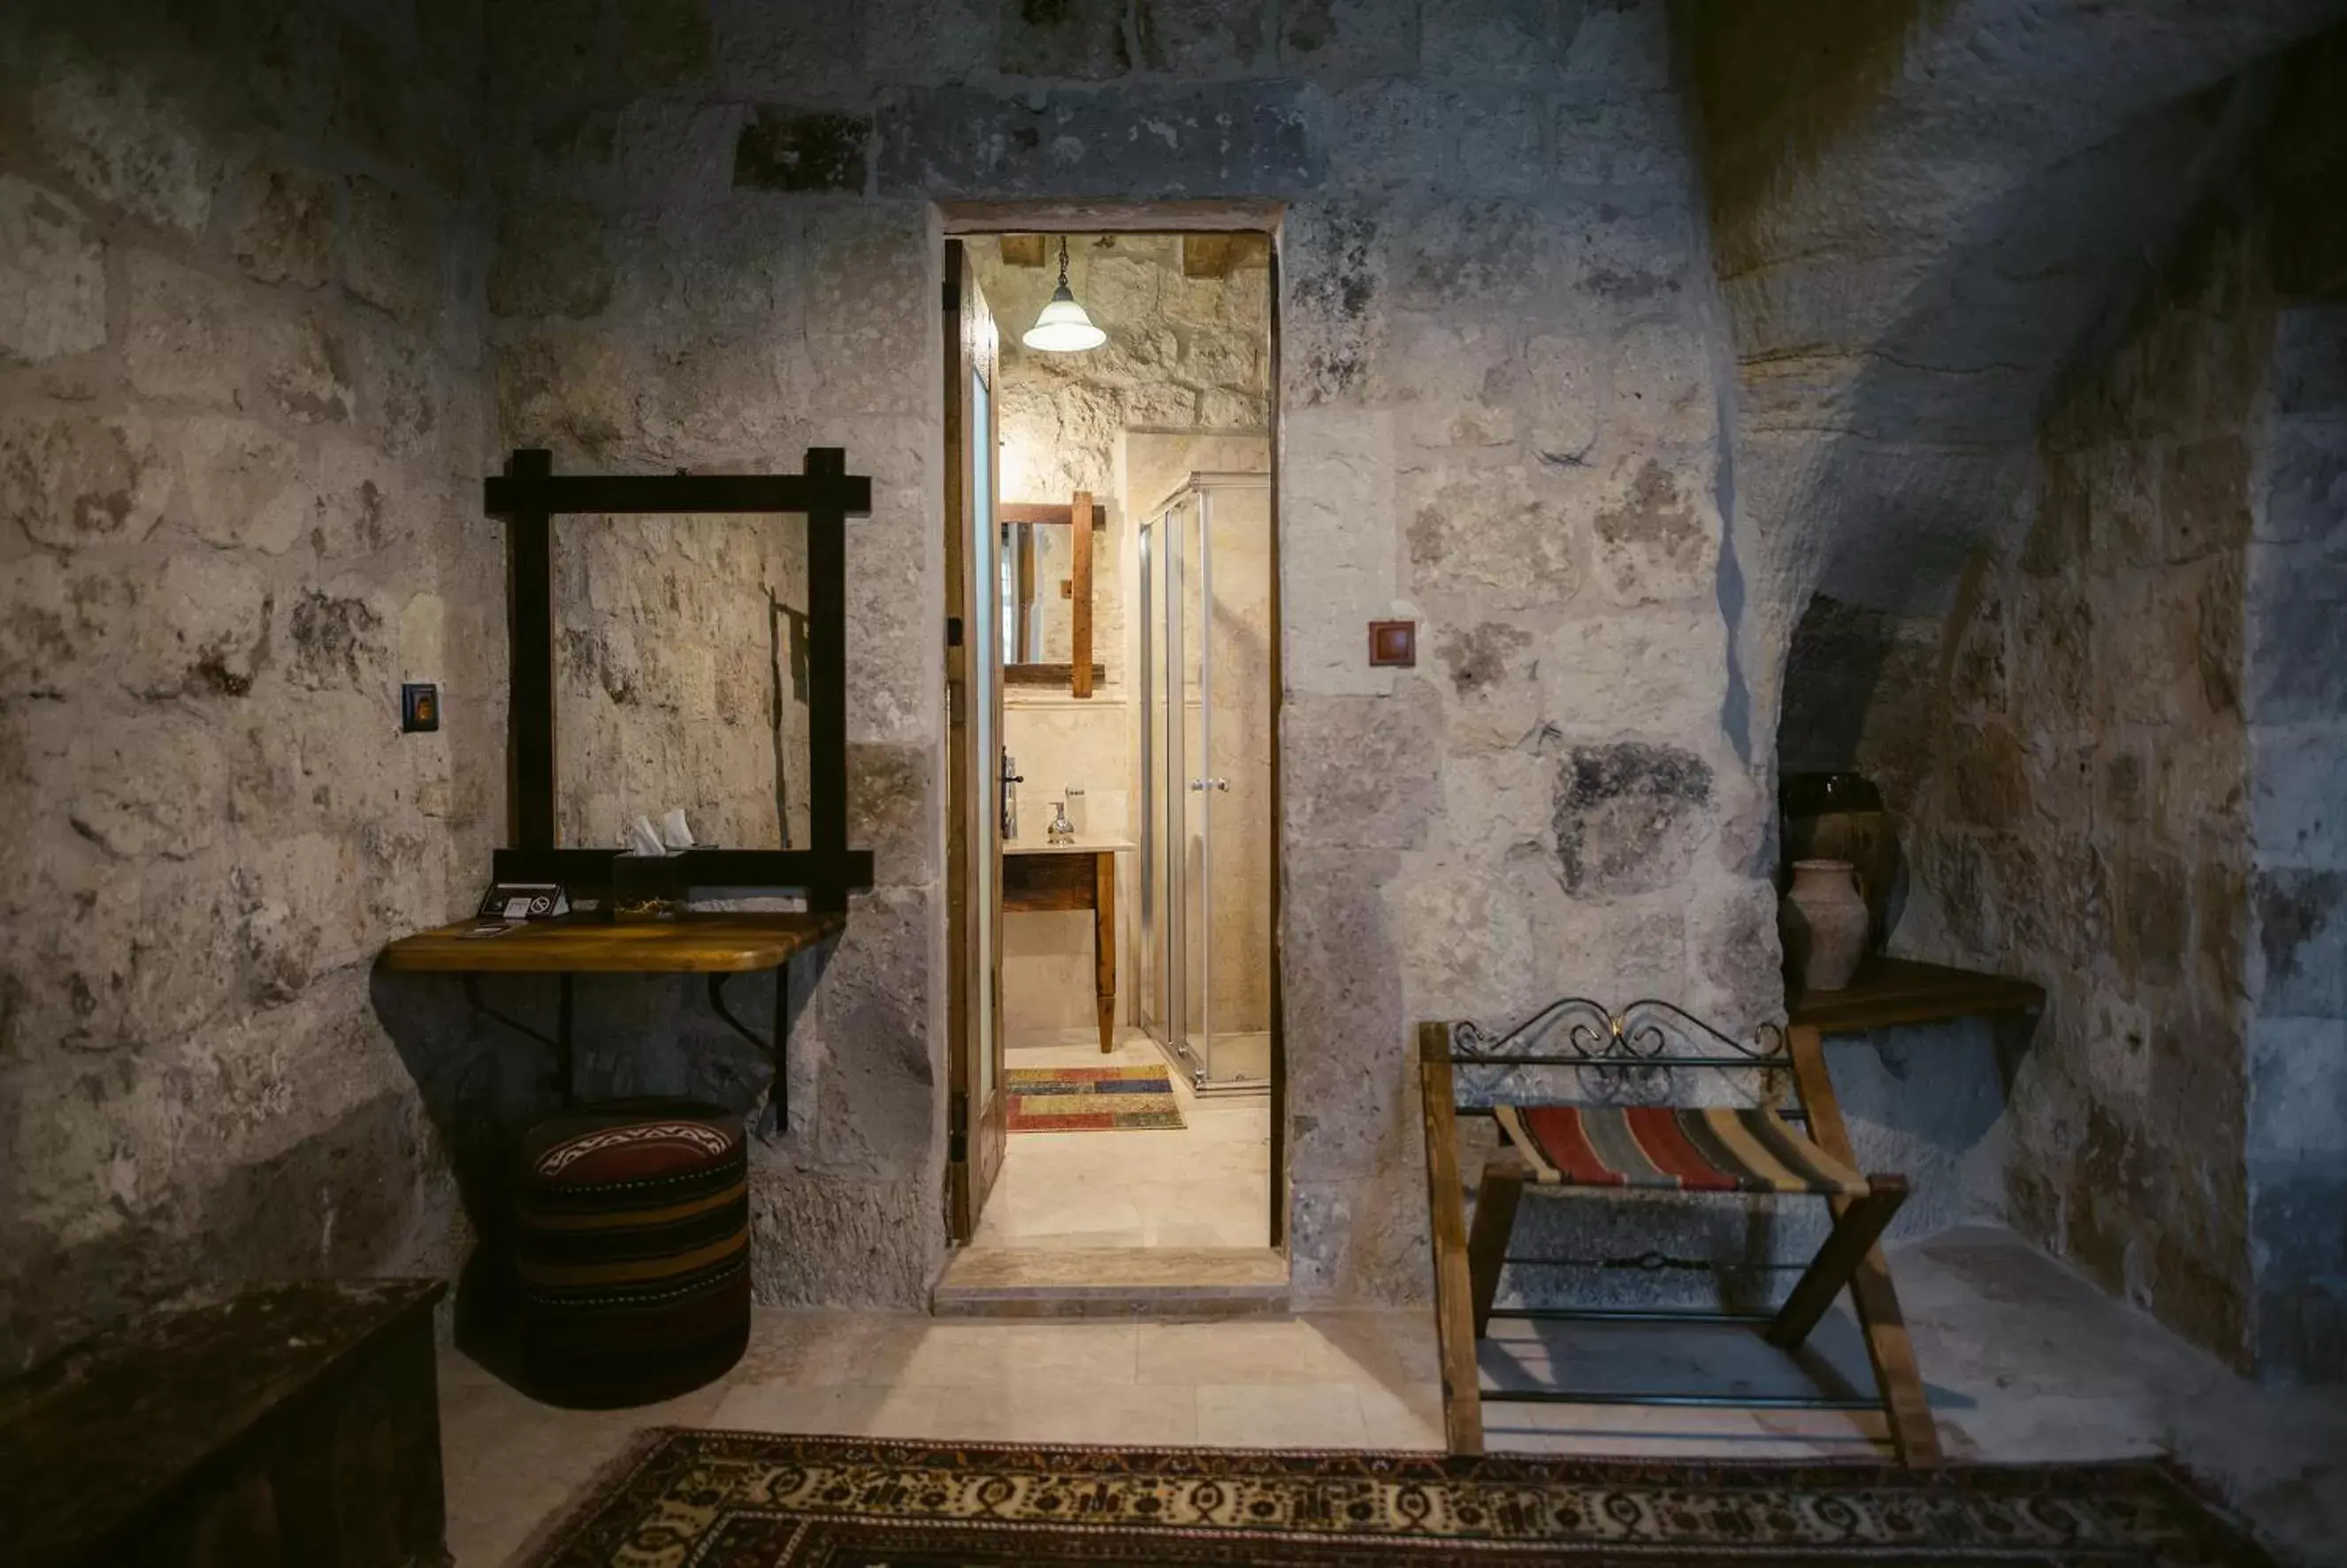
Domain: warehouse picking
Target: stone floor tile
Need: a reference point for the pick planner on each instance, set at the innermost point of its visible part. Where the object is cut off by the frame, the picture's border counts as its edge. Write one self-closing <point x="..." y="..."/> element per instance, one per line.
<point x="1286" y="1416"/>
<point x="507" y="1461"/>
<point x="824" y="1348"/>
<point x="1280" y="1350"/>
<point x="1392" y="1350"/>
<point x="1052" y="1412"/>
<point x="2023" y="1360"/>
<point x="1410" y="1417"/>
<point x="866" y="1413"/>
<point x="995" y="1354"/>
<point x="1069" y="1214"/>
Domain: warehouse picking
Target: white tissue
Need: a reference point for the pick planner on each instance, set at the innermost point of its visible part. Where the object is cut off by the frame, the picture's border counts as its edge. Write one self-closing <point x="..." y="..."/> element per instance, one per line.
<point x="642" y="839"/>
<point x="673" y="831"/>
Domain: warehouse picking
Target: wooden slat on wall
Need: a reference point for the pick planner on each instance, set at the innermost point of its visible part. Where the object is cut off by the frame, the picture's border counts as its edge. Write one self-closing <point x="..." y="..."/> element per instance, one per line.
<point x="1079" y="587"/>
<point x="1045" y="512"/>
<point x="1049" y="674"/>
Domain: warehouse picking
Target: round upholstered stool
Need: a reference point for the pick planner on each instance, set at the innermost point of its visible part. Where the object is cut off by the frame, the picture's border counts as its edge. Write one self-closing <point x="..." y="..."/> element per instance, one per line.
<point x="632" y="1242"/>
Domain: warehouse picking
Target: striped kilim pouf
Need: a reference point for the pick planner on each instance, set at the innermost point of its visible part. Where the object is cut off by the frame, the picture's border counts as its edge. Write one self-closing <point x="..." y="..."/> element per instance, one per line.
<point x="633" y="1245"/>
<point x="1714" y="1150"/>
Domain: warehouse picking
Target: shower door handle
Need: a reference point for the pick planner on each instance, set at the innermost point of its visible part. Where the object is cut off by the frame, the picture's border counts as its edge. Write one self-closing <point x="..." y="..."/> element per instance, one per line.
<point x="1222" y="785"/>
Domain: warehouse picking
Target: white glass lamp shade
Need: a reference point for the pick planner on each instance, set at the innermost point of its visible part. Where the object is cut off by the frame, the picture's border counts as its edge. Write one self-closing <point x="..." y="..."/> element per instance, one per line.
<point x="1063" y="327"/>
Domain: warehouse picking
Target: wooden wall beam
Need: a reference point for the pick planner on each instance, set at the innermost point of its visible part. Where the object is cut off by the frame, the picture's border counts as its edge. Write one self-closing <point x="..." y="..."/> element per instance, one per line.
<point x="1080" y="589"/>
<point x="1044" y="512"/>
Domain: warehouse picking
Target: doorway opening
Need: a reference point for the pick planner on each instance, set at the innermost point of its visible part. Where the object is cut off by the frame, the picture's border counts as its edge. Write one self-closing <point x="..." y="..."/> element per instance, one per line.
<point x="1114" y="660"/>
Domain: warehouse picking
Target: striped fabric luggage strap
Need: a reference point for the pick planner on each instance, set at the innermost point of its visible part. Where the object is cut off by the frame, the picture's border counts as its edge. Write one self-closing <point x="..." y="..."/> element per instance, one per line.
<point x="1706" y="1149"/>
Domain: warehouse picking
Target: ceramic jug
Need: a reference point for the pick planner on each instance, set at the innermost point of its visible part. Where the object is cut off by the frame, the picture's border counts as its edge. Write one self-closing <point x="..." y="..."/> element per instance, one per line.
<point x="1823" y="921"/>
<point x="1839" y="817"/>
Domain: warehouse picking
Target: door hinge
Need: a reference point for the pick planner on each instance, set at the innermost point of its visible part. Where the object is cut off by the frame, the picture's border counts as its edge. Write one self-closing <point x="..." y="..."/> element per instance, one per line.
<point x="958" y="1128"/>
<point x="953" y="630"/>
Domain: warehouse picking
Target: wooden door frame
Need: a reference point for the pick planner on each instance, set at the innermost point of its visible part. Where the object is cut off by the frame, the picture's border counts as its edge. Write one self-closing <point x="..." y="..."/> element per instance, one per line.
<point x="973" y="1152"/>
<point x="976" y="219"/>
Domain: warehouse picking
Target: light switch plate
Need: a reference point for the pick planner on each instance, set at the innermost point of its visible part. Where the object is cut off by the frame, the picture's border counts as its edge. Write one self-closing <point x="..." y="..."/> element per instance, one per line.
<point x="419" y="708"/>
<point x="1393" y="644"/>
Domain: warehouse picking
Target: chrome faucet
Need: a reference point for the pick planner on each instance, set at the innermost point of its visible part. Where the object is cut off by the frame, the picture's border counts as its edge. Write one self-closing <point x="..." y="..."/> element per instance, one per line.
<point x="1012" y="780"/>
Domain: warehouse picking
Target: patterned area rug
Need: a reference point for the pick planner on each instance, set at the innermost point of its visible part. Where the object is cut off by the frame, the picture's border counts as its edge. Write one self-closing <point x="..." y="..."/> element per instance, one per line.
<point x="1090" y="1099"/>
<point x="741" y="1500"/>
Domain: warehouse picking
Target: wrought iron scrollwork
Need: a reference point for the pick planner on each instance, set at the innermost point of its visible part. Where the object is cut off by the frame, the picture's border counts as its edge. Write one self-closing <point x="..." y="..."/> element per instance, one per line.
<point x="1632" y="1056"/>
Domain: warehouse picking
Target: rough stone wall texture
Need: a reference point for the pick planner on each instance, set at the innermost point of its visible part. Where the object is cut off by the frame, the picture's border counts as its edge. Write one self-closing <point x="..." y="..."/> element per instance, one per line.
<point x="2138" y="765"/>
<point x="1183" y="352"/>
<point x="2296" y="687"/>
<point x="2088" y="823"/>
<point x="1922" y="212"/>
<point x="647" y="316"/>
<point x="681" y="677"/>
<point x="242" y="251"/>
<point x="2294" y="690"/>
<point x="1924" y="217"/>
<point x="1498" y="414"/>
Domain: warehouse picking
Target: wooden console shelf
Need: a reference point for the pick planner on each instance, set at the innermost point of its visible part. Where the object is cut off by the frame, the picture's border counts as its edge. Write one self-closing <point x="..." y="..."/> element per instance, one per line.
<point x="1890" y="992"/>
<point x="693" y="945"/>
<point x="717" y="945"/>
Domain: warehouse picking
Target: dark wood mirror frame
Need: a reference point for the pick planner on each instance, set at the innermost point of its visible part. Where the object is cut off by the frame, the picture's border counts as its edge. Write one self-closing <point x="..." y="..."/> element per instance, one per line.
<point x="527" y="497"/>
<point x="1080" y="672"/>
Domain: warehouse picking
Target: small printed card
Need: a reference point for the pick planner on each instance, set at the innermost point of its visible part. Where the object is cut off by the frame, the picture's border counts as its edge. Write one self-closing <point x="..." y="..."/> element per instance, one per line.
<point x="518" y="901"/>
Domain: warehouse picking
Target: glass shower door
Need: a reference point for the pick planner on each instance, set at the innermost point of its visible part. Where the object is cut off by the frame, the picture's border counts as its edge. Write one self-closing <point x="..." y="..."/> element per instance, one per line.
<point x="1194" y="652"/>
<point x="1159" y="890"/>
<point x="1205" y="783"/>
<point x="1234" y="535"/>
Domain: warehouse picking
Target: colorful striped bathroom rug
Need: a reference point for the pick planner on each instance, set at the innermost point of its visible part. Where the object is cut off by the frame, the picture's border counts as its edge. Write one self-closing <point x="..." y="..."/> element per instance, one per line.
<point x="1091" y="1100"/>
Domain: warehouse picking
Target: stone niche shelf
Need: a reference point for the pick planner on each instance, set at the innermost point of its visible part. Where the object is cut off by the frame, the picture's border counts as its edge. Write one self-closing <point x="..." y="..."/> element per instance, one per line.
<point x="1890" y="991"/>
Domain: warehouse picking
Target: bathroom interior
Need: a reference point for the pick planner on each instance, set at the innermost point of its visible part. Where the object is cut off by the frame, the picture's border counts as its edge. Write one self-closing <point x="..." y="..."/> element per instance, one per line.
<point x="1158" y="762"/>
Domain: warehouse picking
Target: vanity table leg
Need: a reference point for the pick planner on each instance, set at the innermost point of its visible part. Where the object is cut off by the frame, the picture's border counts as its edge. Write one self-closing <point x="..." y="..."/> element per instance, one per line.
<point x="1104" y="946"/>
<point x="564" y="1062"/>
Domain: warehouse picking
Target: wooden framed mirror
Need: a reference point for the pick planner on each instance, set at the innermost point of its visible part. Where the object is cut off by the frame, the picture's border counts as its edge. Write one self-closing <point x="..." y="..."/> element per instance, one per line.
<point x="1047" y="593"/>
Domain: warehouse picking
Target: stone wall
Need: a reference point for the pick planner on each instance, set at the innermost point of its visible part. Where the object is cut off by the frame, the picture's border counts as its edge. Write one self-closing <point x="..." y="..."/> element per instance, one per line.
<point x="2296" y="686"/>
<point x="1923" y="211"/>
<point x="2295" y="700"/>
<point x="2138" y="770"/>
<point x="1498" y="414"/>
<point x="241" y="263"/>
<point x="2087" y="825"/>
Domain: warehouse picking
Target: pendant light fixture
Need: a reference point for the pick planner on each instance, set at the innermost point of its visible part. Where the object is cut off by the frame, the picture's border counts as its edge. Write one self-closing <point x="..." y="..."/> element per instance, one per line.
<point x="1063" y="327"/>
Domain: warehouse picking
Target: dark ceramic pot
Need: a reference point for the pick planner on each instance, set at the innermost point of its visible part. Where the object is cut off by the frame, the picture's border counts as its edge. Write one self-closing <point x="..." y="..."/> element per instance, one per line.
<point x="1839" y="817"/>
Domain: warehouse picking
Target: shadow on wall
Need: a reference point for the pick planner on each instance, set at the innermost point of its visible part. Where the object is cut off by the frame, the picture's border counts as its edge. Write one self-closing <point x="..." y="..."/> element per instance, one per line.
<point x="483" y="1083"/>
<point x="359" y="1197"/>
<point x="1940" y="426"/>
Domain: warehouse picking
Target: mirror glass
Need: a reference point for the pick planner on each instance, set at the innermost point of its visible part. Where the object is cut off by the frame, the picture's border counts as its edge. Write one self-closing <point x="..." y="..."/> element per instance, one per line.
<point x="1037" y="611"/>
<point x="680" y="677"/>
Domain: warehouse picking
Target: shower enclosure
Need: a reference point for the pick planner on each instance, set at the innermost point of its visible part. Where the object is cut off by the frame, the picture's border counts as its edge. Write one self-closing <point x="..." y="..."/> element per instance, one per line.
<point x="1206" y="779"/>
